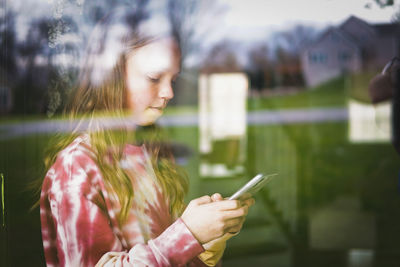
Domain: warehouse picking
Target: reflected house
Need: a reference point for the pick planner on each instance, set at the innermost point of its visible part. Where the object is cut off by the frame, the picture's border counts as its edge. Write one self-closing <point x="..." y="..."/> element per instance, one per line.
<point x="353" y="46"/>
<point x="222" y="124"/>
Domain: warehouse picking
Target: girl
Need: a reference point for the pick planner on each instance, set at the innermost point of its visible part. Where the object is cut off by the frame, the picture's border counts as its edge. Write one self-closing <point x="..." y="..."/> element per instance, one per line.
<point x="106" y="202"/>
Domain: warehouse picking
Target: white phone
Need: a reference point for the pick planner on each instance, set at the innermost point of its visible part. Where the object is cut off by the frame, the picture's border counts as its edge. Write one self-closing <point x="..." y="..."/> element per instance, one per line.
<point x="252" y="186"/>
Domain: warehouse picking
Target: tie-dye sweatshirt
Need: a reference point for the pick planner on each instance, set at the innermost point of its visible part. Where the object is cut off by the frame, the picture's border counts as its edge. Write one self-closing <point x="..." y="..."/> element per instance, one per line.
<point x="78" y="216"/>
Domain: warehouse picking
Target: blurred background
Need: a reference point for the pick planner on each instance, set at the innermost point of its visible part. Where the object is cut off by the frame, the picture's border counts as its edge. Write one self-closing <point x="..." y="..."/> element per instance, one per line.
<point x="271" y="86"/>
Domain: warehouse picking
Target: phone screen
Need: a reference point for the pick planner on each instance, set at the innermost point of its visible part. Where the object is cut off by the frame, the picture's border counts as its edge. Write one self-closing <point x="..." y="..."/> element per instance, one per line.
<point x="253" y="186"/>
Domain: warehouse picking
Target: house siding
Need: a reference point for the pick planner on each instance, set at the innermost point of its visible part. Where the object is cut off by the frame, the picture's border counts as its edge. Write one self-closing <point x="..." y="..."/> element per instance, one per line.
<point x="330" y="57"/>
<point x="386" y="48"/>
<point x="353" y="46"/>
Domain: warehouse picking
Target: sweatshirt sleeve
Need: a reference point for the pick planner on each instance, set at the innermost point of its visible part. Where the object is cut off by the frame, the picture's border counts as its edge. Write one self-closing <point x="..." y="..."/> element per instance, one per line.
<point x="77" y="230"/>
<point x="176" y="246"/>
<point x="214" y="250"/>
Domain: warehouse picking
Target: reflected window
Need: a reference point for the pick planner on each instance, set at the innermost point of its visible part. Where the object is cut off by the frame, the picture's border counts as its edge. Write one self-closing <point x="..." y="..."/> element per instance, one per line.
<point x="368" y="122"/>
<point x="317" y="57"/>
<point x="344" y="56"/>
<point x="222" y="122"/>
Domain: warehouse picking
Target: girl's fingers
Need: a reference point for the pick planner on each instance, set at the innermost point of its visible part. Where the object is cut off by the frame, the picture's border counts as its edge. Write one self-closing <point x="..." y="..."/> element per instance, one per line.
<point x="235" y="229"/>
<point x="248" y="202"/>
<point x="237" y="213"/>
<point x="216" y="197"/>
<point x="232" y="223"/>
<point x="224" y="205"/>
<point x="202" y="200"/>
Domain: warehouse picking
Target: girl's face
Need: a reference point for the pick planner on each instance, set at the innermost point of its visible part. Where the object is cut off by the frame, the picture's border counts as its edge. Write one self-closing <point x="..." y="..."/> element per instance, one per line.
<point x="150" y="72"/>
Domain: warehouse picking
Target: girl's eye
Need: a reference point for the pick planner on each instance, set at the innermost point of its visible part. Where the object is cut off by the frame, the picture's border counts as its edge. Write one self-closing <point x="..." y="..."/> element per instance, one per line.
<point x="153" y="79"/>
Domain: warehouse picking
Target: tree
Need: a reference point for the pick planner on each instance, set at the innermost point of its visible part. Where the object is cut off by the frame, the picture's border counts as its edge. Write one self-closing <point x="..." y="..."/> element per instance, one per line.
<point x="288" y="68"/>
<point x="191" y="20"/>
<point x="288" y="51"/>
<point x="8" y="52"/>
<point x="261" y="67"/>
<point x="294" y="39"/>
<point x="35" y="55"/>
<point x="221" y="58"/>
<point x="386" y="3"/>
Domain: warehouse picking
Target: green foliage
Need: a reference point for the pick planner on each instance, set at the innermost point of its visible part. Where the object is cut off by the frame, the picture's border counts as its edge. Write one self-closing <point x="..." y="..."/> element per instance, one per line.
<point x="384" y="3"/>
<point x="318" y="157"/>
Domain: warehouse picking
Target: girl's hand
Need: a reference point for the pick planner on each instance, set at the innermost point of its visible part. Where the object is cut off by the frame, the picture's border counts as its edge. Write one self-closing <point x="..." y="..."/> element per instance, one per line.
<point x="208" y="220"/>
<point x="249" y="201"/>
<point x="246" y="200"/>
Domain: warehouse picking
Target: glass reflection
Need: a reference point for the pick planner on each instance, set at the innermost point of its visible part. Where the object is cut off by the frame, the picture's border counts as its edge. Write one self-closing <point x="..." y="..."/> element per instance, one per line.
<point x="368" y="122"/>
<point x="222" y="124"/>
<point x="336" y="201"/>
<point x="318" y="210"/>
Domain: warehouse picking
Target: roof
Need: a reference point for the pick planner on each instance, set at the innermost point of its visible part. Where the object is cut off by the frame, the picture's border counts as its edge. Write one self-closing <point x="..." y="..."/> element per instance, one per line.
<point x="387" y="29"/>
<point x="348" y="38"/>
<point x="362" y="26"/>
<point x="356" y="20"/>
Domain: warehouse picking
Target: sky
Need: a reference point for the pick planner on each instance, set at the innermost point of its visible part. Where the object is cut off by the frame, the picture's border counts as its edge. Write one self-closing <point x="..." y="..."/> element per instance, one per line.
<point x="279" y="13"/>
<point x="245" y="21"/>
<point x="251" y="17"/>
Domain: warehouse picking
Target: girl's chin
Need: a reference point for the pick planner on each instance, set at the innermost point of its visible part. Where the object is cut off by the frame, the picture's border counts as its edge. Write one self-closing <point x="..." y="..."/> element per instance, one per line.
<point x="148" y="116"/>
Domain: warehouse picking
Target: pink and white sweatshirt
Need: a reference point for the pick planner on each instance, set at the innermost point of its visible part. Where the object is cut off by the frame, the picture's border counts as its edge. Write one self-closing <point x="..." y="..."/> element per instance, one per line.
<point x="78" y="216"/>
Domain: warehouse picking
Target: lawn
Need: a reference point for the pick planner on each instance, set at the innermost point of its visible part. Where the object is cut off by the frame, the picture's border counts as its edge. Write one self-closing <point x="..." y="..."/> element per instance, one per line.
<point x="316" y="163"/>
<point x="334" y="93"/>
<point x="331" y="94"/>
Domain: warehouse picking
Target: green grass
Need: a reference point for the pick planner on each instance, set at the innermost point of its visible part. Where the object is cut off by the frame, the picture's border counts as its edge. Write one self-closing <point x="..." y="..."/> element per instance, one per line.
<point x="315" y="158"/>
<point x="21" y="163"/>
<point x="359" y="86"/>
<point x="10" y="119"/>
<point x="13" y="119"/>
<point x="333" y="93"/>
<point x="179" y="110"/>
<point x="320" y="155"/>
<point x="316" y="164"/>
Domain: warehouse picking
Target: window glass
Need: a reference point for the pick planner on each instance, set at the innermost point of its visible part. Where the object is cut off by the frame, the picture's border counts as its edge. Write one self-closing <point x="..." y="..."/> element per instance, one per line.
<point x="244" y="87"/>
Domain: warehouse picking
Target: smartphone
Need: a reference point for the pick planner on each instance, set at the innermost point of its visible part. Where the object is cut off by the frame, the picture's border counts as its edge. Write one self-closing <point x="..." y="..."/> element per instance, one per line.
<point x="253" y="185"/>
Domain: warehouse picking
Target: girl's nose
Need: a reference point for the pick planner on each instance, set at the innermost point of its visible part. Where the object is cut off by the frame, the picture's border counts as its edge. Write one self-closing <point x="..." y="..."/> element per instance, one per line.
<point x="166" y="91"/>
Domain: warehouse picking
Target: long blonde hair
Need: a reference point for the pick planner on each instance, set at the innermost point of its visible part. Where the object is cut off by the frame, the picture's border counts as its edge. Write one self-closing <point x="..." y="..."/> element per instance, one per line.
<point x="101" y="91"/>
